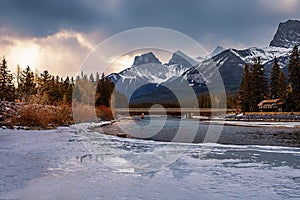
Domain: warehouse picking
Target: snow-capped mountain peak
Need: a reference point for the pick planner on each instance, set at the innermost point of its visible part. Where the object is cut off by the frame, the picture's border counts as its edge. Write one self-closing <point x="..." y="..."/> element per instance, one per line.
<point x="146" y="58"/>
<point x="217" y="50"/>
<point x="148" y="68"/>
<point x="148" y="71"/>
<point x="181" y="58"/>
<point x="287" y="34"/>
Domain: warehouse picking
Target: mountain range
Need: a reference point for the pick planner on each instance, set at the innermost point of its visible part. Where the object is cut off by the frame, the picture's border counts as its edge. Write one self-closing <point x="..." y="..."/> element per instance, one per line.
<point x="148" y="80"/>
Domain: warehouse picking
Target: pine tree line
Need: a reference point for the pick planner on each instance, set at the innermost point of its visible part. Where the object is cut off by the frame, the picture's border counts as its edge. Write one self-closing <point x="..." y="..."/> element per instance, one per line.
<point x="93" y="91"/>
<point x="207" y="100"/>
<point x="44" y="88"/>
<point x="255" y="86"/>
<point x="34" y="87"/>
<point x="98" y="91"/>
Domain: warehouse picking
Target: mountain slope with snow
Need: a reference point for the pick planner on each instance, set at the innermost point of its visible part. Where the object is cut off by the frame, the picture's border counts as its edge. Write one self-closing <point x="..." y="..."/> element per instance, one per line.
<point x="217" y="50"/>
<point x="148" y="70"/>
<point x="265" y="54"/>
<point x="149" y="74"/>
<point x="287" y="34"/>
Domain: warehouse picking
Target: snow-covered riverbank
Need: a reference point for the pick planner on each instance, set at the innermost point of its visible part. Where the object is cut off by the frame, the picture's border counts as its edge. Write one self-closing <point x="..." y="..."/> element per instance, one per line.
<point x="259" y="123"/>
<point x="54" y="164"/>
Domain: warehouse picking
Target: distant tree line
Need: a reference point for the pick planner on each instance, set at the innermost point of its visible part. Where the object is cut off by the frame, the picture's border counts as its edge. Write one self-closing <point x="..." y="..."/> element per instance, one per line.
<point x="27" y="86"/>
<point x="44" y="88"/>
<point x="98" y="91"/>
<point x="205" y="100"/>
<point x="255" y="86"/>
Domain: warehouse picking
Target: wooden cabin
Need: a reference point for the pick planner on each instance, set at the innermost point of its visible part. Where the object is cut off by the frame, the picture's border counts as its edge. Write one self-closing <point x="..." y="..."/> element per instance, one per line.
<point x="271" y="105"/>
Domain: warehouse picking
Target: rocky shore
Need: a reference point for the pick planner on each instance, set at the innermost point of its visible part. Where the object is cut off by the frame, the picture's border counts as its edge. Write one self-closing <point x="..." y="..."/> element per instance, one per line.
<point x="111" y="129"/>
<point x="8" y="110"/>
<point x="278" y="117"/>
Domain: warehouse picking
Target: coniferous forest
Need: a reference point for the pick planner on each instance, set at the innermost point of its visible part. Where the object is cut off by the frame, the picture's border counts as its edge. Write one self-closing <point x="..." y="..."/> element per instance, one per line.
<point x="256" y="87"/>
<point x="44" y="88"/>
<point x="45" y="100"/>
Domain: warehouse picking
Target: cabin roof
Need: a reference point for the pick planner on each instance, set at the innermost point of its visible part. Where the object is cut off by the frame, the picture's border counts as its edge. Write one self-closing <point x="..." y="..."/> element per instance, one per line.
<point x="270" y="101"/>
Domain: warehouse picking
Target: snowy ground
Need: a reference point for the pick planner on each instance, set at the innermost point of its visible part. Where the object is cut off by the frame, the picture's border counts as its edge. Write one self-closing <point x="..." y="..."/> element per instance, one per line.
<point x="260" y="123"/>
<point x="57" y="164"/>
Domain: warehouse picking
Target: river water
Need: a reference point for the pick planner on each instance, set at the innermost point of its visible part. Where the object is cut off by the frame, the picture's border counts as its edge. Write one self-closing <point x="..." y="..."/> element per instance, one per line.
<point x="195" y="131"/>
<point x="73" y="163"/>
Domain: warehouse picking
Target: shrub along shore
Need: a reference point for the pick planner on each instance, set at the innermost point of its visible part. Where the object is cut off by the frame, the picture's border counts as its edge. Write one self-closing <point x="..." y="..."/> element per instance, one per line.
<point x="39" y="116"/>
<point x="34" y="116"/>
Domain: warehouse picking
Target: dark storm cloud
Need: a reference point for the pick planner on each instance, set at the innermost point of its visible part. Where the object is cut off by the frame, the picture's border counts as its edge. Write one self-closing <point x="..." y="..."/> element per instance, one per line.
<point x="39" y="18"/>
<point x="238" y="20"/>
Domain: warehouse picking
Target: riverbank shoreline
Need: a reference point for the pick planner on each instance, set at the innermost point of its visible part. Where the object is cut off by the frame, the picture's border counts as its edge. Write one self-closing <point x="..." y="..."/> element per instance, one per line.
<point x="42" y="117"/>
<point x="233" y="132"/>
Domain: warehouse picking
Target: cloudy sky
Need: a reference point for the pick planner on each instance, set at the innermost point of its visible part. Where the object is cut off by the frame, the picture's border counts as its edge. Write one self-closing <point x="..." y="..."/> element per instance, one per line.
<point x="58" y="35"/>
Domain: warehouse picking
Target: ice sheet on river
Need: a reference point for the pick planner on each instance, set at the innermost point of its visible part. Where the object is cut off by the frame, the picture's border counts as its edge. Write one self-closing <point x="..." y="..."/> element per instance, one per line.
<point x="55" y="164"/>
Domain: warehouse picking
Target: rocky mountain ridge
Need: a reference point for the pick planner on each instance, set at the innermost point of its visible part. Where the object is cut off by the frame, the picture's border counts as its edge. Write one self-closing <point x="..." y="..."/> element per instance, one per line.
<point x="147" y="74"/>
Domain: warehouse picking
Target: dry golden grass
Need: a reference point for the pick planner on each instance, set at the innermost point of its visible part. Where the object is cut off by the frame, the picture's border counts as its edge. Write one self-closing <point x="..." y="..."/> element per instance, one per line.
<point x="44" y="116"/>
<point x="83" y="113"/>
<point x="104" y="113"/>
<point x="38" y="116"/>
<point x="88" y="113"/>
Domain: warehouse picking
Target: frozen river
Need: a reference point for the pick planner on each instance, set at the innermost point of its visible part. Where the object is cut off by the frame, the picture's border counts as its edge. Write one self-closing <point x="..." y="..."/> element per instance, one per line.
<point x="67" y="163"/>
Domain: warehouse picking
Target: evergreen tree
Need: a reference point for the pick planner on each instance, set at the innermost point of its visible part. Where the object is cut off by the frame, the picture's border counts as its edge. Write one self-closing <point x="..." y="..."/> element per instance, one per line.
<point x="294" y="68"/>
<point x="232" y="101"/>
<point x="104" y="91"/>
<point x="27" y="86"/>
<point x="92" y="78"/>
<point x="294" y="80"/>
<point x="7" y="88"/>
<point x="204" y="101"/>
<point x="44" y="82"/>
<point x="274" y="80"/>
<point x="44" y="87"/>
<point x="97" y="77"/>
<point x="100" y="91"/>
<point x="282" y="86"/>
<point x="244" y="93"/>
<point x="84" y="90"/>
<point x="67" y="91"/>
<point x="258" y="85"/>
<point x="76" y="91"/>
<point x="55" y="90"/>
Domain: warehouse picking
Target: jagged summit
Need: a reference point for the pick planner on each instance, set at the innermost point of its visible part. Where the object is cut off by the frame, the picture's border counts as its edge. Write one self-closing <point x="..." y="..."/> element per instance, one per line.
<point x="287" y="34"/>
<point x="146" y="58"/>
<point x="180" y="58"/>
<point x="217" y="50"/>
